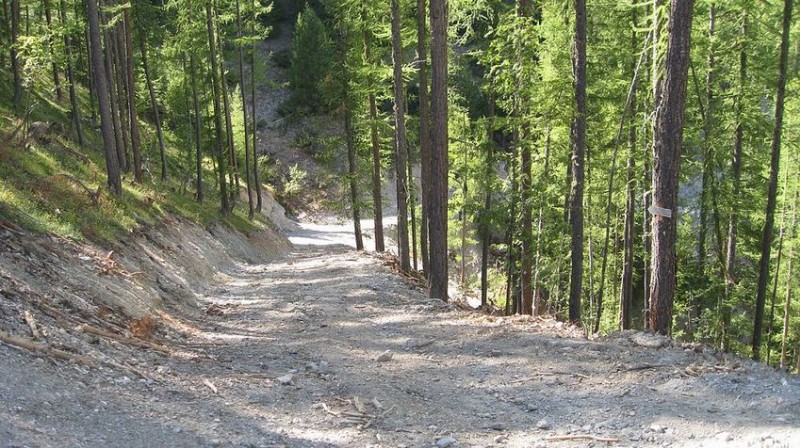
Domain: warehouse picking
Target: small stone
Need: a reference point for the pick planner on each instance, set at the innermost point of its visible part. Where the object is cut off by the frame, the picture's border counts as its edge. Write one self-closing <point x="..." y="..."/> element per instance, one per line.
<point x="497" y="426"/>
<point x="658" y="428"/>
<point x="724" y="436"/>
<point x="530" y="407"/>
<point x="286" y="380"/>
<point x="445" y="442"/>
<point x="502" y="438"/>
<point x="543" y="424"/>
<point x="215" y="443"/>
<point x="385" y="356"/>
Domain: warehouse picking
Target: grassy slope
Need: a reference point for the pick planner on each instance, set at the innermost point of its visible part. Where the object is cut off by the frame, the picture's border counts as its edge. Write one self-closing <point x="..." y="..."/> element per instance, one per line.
<point x="40" y="181"/>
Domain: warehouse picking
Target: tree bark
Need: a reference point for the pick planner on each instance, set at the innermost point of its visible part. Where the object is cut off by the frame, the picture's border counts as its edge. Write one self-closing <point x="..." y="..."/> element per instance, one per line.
<point x="15" y="59"/>
<point x="401" y="154"/>
<point x="666" y="165"/>
<point x="256" y="176"/>
<point x="198" y="131"/>
<point x="73" y="96"/>
<point x="766" y="237"/>
<point x="787" y="306"/>
<point x="578" y="156"/>
<point x="487" y="203"/>
<point x="424" y="129"/>
<point x="112" y="95"/>
<point x="377" y="196"/>
<point x="100" y="81"/>
<point x="250" y="204"/>
<point x="154" y="105"/>
<point x="233" y="160"/>
<point x="216" y="92"/>
<point x="439" y="163"/>
<point x="48" y="16"/>
<point x="736" y="171"/>
<point x="134" y="118"/>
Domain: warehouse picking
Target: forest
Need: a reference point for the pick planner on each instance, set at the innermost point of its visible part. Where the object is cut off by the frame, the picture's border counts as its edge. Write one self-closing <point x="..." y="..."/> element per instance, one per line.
<point x="617" y="164"/>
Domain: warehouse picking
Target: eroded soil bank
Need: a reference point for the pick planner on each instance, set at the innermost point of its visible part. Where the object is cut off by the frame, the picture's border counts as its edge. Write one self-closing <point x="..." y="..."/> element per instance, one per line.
<point x="254" y="343"/>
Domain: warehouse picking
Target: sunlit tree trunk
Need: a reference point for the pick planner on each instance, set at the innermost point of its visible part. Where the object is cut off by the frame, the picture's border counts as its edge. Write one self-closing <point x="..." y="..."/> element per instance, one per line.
<point x="256" y="176"/>
<point x="216" y="92"/>
<point x="766" y="237"/>
<point x="437" y="209"/>
<point x="15" y="59"/>
<point x="134" y="119"/>
<point x="250" y="205"/>
<point x="73" y="96"/>
<point x="578" y="156"/>
<point x="666" y="164"/>
<point x="401" y="153"/>
<point x="101" y="86"/>
<point x="198" y="131"/>
<point x="48" y="17"/>
<point x="424" y="129"/>
<point x="787" y="306"/>
<point x="377" y="196"/>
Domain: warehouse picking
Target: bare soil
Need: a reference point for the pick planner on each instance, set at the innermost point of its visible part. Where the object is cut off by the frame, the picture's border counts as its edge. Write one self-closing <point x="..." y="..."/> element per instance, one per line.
<point x="254" y="343"/>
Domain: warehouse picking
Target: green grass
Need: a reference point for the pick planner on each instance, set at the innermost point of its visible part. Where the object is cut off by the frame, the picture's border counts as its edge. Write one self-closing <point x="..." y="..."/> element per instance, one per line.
<point x="50" y="186"/>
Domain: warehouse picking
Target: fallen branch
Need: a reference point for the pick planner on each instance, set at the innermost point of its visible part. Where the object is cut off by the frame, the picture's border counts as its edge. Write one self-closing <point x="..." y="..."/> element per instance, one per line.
<point x="538" y="374"/>
<point x="646" y="367"/>
<point x="32" y="324"/>
<point x="582" y="437"/>
<point x="125" y="340"/>
<point x="28" y="344"/>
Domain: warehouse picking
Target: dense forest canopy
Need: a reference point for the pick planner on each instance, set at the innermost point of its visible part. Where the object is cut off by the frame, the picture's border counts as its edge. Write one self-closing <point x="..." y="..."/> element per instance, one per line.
<point x="618" y="164"/>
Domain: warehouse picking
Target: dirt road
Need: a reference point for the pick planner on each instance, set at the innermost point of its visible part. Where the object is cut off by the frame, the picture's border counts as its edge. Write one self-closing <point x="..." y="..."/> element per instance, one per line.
<point x="326" y="347"/>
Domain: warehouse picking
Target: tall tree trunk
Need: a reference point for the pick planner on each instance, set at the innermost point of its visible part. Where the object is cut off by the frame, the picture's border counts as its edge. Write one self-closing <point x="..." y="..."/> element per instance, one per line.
<point x="112" y="95"/>
<point x="100" y="82"/>
<point x="233" y="160"/>
<point x="787" y="306"/>
<point x="120" y="79"/>
<point x="5" y="39"/>
<point x="48" y="16"/>
<point x="350" y="141"/>
<point x="736" y="170"/>
<point x="154" y="106"/>
<point x="666" y="165"/>
<point x="216" y="92"/>
<point x="766" y="238"/>
<point x="377" y="196"/>
<point x="424" y="129"/>
<point x="487" y="203"/>
<point x="256" y="176"/>
<point x="15" y="59"/>
<point x="412" y="207"/>
<point x="538" y="296"/>
<point x="400" y="140"/>
<point x="437" y="208"/>
<point x="629" y="228"/>
<point x="707" y="158"/>
<point x="73" y="96"/>
<point x="134" y="118"/>
<point x="656" y="66"/>
<point x="198" y="130"/>
<point x="512" y="273"/>
<point x="250" y="205"/>
<point x="778" y="260"/>
<point x="578" y="156"/>
<point x="525" y="10"/>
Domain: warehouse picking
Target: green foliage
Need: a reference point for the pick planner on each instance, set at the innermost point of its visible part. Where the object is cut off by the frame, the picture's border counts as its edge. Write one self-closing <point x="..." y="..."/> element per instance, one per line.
<point x="311" y="63"/>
